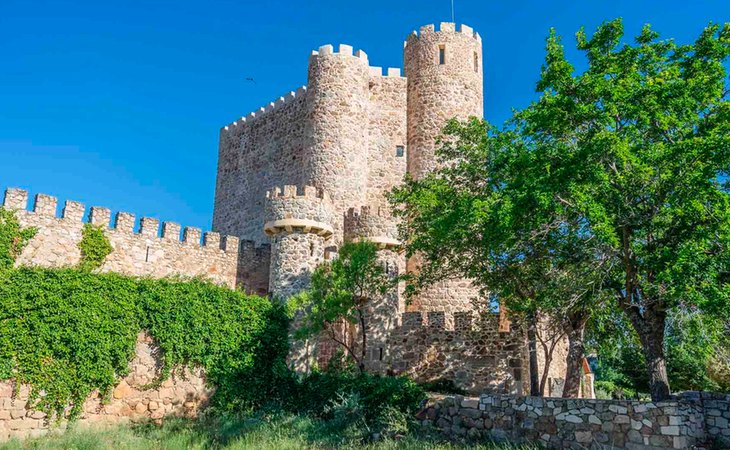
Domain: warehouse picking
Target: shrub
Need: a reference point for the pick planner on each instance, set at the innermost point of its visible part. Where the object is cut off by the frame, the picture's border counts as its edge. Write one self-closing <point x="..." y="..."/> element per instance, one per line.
<point x="67" y="332"/>
<point x="375" y="393"/>
<point x="13" y="238"/>
<point x="94" y="246"/>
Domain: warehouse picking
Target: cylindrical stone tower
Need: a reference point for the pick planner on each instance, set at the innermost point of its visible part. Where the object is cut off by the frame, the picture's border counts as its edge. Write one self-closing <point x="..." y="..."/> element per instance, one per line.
<point x="444" y="72"/>
<point x="336" y="137"/>
<point x="299" y="225"/>
<point x="445" y="79"/>
<point x="377" y="225"/>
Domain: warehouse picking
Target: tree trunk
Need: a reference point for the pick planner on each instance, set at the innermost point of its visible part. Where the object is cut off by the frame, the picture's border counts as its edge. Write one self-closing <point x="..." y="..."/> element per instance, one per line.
<point x="652" y="341"/>
<point x="649" y="324"/>
<point x="532" y="350"/>
<point x="363" y="352"/>
<point x="574" y="368"/>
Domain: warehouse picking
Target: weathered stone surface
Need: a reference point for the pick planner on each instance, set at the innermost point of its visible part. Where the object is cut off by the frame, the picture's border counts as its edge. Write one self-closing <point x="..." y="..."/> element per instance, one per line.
<point x="134" y="253"/>
<point x="129" y="401"/>
<point x="581" y="423"/>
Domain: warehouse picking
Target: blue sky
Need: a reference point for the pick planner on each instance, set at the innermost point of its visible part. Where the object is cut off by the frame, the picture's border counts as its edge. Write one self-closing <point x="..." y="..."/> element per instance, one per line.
<point x="119" y="104"/>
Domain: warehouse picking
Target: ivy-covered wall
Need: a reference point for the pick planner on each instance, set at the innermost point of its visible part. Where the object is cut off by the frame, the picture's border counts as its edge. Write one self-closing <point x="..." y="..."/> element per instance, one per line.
<point x="79" y="344"/>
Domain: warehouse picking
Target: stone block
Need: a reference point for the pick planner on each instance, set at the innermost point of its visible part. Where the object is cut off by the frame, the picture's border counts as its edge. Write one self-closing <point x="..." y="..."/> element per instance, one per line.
<point x="583" y="437"/>
<point x="470" y="403"/>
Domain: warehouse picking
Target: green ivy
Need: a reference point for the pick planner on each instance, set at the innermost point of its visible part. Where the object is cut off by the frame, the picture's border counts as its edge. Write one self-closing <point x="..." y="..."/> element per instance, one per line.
<point x="94" y="246"/>
<point x="13" y="238"/>
<point x="68" y="332"/>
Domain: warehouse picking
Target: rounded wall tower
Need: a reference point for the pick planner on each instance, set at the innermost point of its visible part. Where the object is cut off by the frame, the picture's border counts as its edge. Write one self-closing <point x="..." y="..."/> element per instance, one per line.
<point x="445" y="80"/>
<point x="336" y="140"/>
<point x="299" y="225"/>
<point x="377" y="225"/>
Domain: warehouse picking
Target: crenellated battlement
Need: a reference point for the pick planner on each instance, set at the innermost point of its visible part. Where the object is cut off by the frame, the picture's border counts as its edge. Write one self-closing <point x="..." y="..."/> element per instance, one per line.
<point x="304" y="209"/>
<point x="45" y="206"/>
<point x="272" y="106"/>
<point x="443" y="28"/>
<point x="467" y="322"/>
<point x="344" y="51"/>
<point x="145" y="251"/>
<point x="374" y="223"/>
<point x="390" y="72"/>
<point x="298" y="192"/>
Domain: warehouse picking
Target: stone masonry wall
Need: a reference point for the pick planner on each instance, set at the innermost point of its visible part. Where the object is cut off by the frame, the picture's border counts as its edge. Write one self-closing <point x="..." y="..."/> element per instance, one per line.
<point x="253" y="268"/>
<point x="716" y="408"/>
<point x="256" y="153"/>
<point x="471" y="352"/>
<point x="388" y="131"/>
<point x="130" y="401"/>
<point x="569" y="423"/>
<point x="144" y="253"/>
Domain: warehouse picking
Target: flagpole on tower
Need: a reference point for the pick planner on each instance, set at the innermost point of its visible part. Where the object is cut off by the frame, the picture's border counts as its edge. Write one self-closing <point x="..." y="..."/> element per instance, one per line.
<point x="452" y="11"/>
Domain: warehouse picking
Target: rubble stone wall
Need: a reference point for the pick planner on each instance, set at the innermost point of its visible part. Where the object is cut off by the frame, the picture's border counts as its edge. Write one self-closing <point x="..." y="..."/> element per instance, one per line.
<point x="256" y="153"/>
<point x="716" y="409"/>
<point x="130" y="401"/>
<point x="139" y="253"/>
<point x="569" y="423"/>
<point x="469" y="351"/>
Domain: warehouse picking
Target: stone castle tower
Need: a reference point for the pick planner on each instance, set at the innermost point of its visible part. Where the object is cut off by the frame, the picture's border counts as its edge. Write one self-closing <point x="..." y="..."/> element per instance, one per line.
<point x="311" y="170"/>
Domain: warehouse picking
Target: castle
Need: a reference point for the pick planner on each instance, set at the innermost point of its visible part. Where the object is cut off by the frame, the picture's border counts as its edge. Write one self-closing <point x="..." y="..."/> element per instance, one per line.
<point x="310" y="171"/>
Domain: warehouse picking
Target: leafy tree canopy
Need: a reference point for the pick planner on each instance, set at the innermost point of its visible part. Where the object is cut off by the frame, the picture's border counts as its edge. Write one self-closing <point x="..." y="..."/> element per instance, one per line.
<point x="624" y="161"/>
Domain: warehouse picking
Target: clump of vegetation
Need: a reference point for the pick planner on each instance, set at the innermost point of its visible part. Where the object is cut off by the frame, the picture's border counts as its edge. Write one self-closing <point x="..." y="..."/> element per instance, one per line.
<point x="325" y="394"/>
<point x="94" y="246"/>
<point x="13" y="238"/>
<point x="68" y="332"/>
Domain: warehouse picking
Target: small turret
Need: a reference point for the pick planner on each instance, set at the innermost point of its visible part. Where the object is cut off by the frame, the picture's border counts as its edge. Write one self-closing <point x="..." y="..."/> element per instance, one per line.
<point x="373" y="223"/>
<point x="299" y="224"/>
<point x="377" y="225"/>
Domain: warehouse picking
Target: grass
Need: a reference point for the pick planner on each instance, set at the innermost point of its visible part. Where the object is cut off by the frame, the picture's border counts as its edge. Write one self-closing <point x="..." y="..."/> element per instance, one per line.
<point x="279" y="432"/>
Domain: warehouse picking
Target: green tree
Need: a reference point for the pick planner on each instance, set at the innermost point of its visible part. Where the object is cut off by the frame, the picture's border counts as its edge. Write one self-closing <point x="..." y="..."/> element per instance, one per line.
<point x="626" y="158"/>
<point x="477" y="216"/>
<point x="634" y="148"/>
<point x="340" y="293"/>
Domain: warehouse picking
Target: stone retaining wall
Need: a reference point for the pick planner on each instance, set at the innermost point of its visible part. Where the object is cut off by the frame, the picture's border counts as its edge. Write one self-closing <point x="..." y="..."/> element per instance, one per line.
<point x="137" y="251"/>
<point x="130" y="401"/>
<point x="578" y="423"/>
<point x="716" y="407"/>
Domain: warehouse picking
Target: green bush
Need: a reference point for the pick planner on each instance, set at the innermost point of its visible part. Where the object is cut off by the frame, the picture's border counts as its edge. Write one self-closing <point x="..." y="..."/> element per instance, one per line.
<point x="13" y="238"/>
<point x="67" y="332"/>
<point x="318" y="391"/>
<point x="94" y="246"/>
